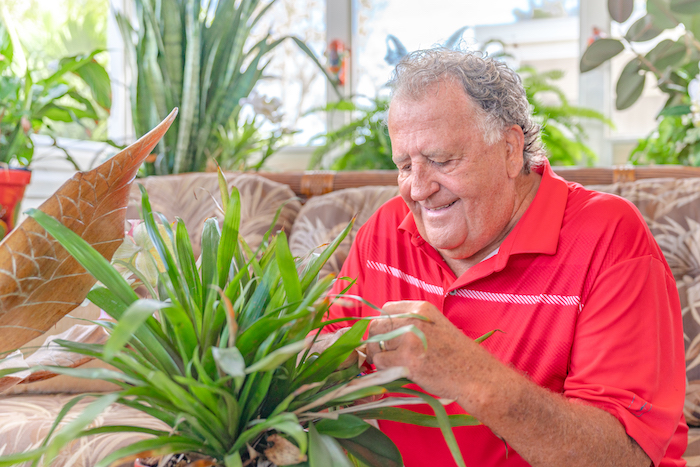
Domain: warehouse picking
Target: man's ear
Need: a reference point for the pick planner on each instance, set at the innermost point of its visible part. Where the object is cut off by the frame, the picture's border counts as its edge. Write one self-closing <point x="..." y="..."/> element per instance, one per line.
<point x="515" y="142"/>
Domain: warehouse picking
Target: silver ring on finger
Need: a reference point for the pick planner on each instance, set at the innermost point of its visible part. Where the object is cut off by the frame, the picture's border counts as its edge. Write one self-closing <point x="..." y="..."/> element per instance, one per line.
<point x="382" y="346"/>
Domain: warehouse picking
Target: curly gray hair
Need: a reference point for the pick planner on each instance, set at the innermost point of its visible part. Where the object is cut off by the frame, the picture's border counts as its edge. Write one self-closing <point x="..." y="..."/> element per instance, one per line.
<point x="496" y="89"/>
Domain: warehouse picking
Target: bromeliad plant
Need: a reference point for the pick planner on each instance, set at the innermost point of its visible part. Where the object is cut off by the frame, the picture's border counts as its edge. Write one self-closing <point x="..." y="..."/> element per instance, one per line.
<point x="220" y="353"/>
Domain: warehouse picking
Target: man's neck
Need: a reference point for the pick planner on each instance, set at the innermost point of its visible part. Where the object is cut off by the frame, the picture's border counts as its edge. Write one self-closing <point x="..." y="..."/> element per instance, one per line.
<point x="526" y="189"/>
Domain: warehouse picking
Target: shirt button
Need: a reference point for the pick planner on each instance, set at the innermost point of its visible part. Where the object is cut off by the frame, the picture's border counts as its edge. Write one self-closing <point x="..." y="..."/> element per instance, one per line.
<point x="454" y="292"/>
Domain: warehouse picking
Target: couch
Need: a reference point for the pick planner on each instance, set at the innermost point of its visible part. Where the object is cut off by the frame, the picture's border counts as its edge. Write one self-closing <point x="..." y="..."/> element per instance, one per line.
<point x="314" y="208"/>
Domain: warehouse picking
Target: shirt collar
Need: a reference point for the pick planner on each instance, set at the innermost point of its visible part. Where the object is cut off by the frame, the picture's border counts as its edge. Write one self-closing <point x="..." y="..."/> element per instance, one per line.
<point x="537" y="231"/>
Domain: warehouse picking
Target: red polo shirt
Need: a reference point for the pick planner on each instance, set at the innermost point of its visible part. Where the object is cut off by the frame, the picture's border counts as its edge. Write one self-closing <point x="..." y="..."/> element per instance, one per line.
<point x="587" y="303"/>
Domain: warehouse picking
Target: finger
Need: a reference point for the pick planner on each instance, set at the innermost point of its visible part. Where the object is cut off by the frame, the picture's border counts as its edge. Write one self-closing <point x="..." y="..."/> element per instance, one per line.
<point x="417" y="307"/>
<point x="388" y="359"/>
<point x="380" y="326"/>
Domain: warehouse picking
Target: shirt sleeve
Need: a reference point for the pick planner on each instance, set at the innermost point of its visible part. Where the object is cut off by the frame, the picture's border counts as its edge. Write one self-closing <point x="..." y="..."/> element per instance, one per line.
<point x="627" y="357"/>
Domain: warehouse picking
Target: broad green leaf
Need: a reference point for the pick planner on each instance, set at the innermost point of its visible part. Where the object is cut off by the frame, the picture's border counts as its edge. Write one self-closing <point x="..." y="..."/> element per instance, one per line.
<point x="663" y="16"/>
<point x="137" y="313"/>
<point x="620" y="10"/>
<point x="643" y="29"/>
<point x="630" y="85"/>
<point x="97" y="79"/>
<point x="325" y="451"/>
<point x="667" y="53"/>
<point x="345" y="426"/>
<point x="374" y="448"/>
<point x="599" y="52"/>
<point x="676" y="110"/>
<point x="87" y="256"/>
<point x="230" y="361"/>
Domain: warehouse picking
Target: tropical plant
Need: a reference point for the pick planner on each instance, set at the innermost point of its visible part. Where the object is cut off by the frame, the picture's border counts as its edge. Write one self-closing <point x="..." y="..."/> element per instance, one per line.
<point x="247" y="142"/>
<point x="673" y="63"/>
<point x="220" y="353"/>
<point x="562" y="133"/>
<point x="364" y="143"/>
<point x="197" y="56"/>
<point x="675" y="140"/>
<point x="30" y="103"/>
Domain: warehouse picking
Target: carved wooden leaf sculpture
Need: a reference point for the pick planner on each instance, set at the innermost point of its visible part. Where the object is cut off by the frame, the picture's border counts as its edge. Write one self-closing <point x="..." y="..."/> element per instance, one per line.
<point x="39" y="281"/>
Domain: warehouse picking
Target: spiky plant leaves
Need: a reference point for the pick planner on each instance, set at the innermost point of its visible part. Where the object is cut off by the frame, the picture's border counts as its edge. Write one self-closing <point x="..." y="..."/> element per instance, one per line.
<point x="220" y="352"/>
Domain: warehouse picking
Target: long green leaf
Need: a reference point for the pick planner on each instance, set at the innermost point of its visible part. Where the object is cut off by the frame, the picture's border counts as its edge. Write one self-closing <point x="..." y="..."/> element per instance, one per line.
<point x="133" y="318"/>
<point x="75" y="426"/>
<point x="87" y="256"/>
<point x="288" y="270"/>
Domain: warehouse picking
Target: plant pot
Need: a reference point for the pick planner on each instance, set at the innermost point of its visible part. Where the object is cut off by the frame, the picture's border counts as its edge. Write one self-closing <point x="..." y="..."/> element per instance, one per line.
<point x="12" y="185"/>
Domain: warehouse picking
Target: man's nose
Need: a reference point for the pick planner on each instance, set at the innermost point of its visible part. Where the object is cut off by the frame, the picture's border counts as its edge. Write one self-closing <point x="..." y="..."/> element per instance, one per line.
<point x="423" y="182"/>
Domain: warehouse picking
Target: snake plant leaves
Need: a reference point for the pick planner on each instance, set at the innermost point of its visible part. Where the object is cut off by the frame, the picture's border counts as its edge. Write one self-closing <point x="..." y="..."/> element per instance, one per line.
<point x="39" y="281"/>
<point x="598" y="52"/>
<point x="630" y="85"/>
<point x="620" y="10"/>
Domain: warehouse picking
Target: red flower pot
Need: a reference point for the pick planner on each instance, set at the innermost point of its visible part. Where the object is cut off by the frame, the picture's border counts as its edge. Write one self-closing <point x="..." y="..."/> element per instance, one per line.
<point x="12" y="185"/>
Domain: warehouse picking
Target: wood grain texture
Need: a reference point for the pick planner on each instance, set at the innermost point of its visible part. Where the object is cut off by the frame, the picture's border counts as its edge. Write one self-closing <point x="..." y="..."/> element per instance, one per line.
<point x="39" y="281"/>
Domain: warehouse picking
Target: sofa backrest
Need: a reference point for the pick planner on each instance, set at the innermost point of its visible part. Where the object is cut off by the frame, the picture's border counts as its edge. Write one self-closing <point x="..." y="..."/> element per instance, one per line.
<point x="670" y="206"/>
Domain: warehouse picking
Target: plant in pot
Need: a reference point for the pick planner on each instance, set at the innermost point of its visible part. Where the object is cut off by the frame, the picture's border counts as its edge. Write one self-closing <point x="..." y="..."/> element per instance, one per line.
<point x="220" y="352"/>
<point x="672" y="63"/>
<point x="200" y="57"/>
<point x="29" y="102"/>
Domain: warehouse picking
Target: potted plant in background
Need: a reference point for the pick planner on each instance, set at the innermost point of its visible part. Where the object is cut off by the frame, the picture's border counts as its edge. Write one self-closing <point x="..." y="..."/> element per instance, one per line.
<point x="202" y="60"/>
<point x="220" y="353"/>
<point x="672" y="63"/>
<point x="29" y="101"/>
<point x="364" y="144"/>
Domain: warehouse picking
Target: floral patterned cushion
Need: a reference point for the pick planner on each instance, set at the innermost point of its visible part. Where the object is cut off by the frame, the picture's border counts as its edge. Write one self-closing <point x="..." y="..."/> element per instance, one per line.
<point x="322" y="218"/>
<point x="25" y="421"/>
<point x="195" y="197"/>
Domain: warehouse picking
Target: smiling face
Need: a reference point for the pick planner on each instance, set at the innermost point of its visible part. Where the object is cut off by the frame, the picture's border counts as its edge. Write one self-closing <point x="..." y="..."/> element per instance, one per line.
<point x="464" y="194"/>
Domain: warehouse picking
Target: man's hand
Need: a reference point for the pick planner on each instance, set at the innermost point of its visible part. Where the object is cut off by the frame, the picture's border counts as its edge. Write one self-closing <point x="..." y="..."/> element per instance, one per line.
<point x="433" y="368"/>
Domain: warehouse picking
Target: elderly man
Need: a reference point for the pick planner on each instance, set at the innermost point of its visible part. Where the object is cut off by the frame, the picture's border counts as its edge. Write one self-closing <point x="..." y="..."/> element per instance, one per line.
<point x="589" y="368"/>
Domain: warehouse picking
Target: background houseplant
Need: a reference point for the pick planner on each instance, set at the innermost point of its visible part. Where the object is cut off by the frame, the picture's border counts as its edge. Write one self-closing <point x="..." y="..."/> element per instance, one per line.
<point x="364" y="144"/>
<point x="197" y="56"/>
<point x="672" y="63"/>
<point x="220" y="364"/>
<point x="30" y="101"/>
